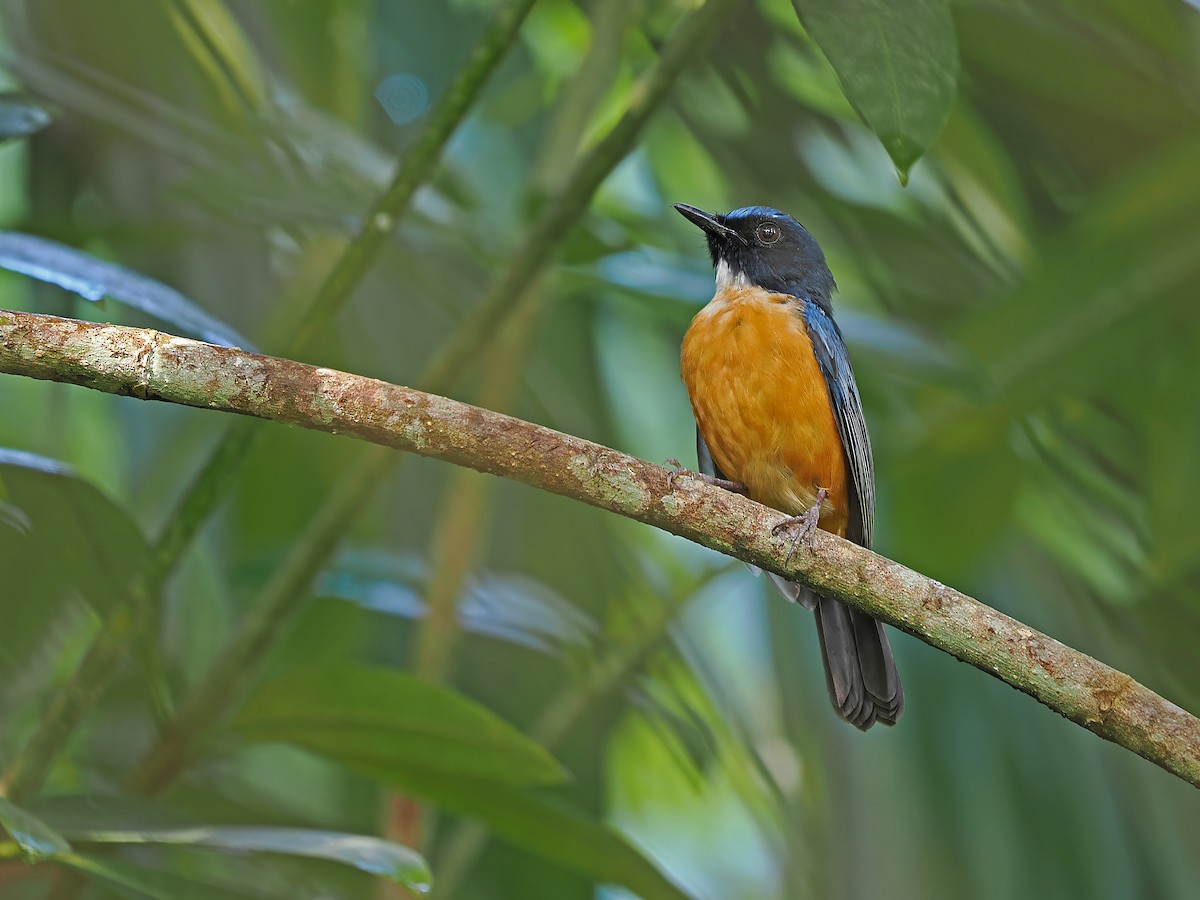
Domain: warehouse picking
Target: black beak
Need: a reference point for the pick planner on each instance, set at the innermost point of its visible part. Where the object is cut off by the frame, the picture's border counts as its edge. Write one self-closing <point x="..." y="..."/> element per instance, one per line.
<point x="706" y="222"/>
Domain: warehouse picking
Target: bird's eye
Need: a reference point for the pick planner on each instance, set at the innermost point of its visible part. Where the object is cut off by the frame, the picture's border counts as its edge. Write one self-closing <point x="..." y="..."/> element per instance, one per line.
<point x="768" y="232"/>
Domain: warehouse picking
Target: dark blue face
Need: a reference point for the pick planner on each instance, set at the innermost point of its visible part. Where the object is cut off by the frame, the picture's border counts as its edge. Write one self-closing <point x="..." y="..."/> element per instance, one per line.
<point x="767" y="248"/>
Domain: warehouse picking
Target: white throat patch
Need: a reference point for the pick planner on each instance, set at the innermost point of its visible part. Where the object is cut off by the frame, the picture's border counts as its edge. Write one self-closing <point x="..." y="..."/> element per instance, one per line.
<point x="728" y="281"/>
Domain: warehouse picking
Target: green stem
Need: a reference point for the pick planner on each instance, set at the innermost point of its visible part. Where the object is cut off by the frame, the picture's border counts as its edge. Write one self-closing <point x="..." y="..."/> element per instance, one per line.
<point x="101" y="662"/>
<point x="456" y="534"/>
<point x="456" y="539"/>
<point x="583" y="94"/>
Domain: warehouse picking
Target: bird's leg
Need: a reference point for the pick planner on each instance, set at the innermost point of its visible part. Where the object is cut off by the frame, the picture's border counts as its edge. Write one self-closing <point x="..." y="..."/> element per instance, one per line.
<point x="807" y="522"/>
<point x="736" y="486"/>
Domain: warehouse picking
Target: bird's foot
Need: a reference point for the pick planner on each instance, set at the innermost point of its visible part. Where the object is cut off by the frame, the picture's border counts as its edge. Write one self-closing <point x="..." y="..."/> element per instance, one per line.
<point x="807" y="532"/>
<point x="677" y="470"/>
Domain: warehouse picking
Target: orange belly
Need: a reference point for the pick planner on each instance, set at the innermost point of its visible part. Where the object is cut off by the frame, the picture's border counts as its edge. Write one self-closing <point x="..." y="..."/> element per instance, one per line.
<point x="762" y="405"/>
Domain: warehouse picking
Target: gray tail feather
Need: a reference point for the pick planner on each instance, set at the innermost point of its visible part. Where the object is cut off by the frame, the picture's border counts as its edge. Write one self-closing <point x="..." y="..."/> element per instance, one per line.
<point x="859" y="669"/>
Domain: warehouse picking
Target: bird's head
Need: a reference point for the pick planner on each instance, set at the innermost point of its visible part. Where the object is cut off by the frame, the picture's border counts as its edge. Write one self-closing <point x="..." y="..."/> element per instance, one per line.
<point x="763" y="247"/>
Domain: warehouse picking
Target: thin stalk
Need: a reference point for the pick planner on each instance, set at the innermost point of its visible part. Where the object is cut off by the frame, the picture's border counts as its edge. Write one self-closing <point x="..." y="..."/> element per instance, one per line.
<point x="101" y="662"/>
<point x="583" y="94"/>
<point x="457" y="536"/>
<point x="457" y="532"/>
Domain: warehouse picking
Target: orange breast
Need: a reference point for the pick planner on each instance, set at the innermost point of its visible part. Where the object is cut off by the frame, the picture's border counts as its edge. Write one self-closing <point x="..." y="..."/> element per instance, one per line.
<point x="761" y="403"/>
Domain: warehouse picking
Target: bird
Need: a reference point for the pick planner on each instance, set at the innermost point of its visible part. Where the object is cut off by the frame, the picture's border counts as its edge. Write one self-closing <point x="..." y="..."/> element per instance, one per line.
<point x="779" y="417"/>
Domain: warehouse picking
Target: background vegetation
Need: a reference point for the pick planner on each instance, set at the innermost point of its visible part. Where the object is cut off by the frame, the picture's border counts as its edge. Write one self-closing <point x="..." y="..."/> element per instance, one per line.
<point x="355" y="643"/>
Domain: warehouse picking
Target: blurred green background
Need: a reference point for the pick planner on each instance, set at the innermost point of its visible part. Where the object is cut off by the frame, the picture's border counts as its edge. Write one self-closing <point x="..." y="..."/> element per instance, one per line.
<point x="1024" y="321"/>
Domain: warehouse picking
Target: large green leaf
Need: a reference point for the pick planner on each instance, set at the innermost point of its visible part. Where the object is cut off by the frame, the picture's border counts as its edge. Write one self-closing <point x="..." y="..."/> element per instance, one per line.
<point x="543" y="825"/>
<point x="898" y="64"/>
<point x="376" y="720"/>
<point x="58" y="532"/>
<point x="444" y="749"/>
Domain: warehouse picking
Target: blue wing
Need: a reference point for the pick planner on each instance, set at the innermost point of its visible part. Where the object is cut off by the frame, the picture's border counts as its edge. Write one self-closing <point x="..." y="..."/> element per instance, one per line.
<point x="830" y="351"/>
<point x="859" y="669"/>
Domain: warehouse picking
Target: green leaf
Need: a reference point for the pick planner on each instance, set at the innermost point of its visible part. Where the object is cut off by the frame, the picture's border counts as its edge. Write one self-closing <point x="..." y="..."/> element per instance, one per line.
<point x="59" y="532"/>
<point x="442" y="748"/>
<point x="372" y="855"/>
<point x="21" y="116"/>
<point x="544" y="826"/>
<point x="37" y="840"/>
<point x="898" y="64"/>
<point x="377" y="720"/>
<point x="558" y="833"/>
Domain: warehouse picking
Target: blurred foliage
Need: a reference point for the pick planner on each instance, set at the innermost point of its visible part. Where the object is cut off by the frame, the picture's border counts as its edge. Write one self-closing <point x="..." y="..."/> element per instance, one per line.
<point x="1023" y="321"/>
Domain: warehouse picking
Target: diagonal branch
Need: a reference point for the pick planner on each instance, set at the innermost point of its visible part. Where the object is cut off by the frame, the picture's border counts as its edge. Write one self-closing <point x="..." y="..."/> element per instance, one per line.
<point x="156" y="366"/>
